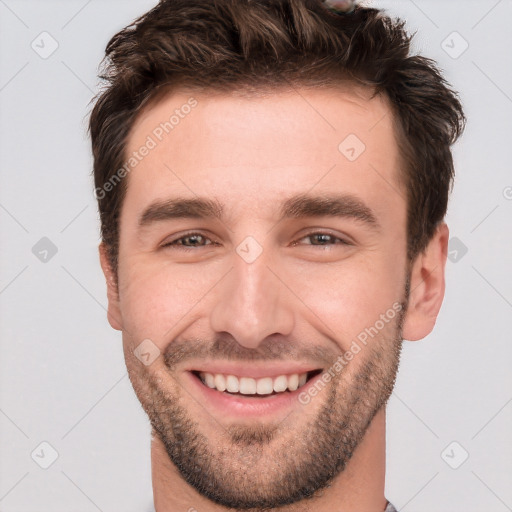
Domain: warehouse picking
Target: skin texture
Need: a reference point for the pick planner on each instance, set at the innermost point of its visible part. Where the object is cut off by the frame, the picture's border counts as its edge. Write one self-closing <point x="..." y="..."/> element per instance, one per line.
<point x="304" y="299"/>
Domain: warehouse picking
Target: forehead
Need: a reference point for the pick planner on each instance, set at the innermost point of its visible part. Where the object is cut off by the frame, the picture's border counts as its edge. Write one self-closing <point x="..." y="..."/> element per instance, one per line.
<point x="262" y="145"/>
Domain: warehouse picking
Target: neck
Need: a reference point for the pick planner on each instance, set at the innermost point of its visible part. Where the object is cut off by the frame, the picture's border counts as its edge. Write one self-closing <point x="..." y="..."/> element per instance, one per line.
<point x="359" y="488"/>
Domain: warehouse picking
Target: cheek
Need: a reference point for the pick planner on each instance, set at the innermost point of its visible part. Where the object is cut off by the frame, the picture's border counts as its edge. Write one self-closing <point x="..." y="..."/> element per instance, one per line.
<point x="159" y="301"/>
<point x="352" y="296"/>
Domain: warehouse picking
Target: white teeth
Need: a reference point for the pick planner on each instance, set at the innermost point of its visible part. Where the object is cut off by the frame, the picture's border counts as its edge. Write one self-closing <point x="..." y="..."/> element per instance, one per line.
<point x="209" y="380"/>
<point x="293" y="382"/>
<point x="280" y="383"/>
<point x="220" y="382"/>
<point x="264" y="386"/>
<point x="232" y="384"/>
<point x="247" y="386"/>
<point x="250" y="386"/>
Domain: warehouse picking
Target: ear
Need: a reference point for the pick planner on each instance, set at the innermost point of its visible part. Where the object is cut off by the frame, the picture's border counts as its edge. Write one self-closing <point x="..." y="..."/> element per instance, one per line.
<point x="114" y="311"/>
<point x="427" y="287"/>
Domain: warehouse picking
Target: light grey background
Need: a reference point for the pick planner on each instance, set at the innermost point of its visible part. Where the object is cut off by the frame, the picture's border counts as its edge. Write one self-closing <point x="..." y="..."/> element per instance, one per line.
<point x="63" y="378"/>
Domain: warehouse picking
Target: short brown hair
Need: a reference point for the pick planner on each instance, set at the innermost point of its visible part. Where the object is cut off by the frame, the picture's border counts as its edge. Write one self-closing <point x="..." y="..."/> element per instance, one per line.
<point x="230" y="45"/>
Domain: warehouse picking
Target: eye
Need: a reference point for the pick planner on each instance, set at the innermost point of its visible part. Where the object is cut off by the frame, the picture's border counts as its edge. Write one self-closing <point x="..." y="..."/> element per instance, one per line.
<point x="189" y="241"/>
<point x="323" y="239"/>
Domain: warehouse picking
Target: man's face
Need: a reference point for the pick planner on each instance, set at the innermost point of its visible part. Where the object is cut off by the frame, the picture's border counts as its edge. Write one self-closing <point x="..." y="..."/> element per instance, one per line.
<point x="280" y="283"/>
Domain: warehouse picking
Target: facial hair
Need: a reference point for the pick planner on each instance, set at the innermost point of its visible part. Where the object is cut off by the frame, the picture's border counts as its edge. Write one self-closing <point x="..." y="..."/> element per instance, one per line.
<point x="252" y="468"/>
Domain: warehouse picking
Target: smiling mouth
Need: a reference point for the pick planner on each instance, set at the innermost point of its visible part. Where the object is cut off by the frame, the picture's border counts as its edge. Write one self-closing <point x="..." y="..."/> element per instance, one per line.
<point x="258" y="388"/>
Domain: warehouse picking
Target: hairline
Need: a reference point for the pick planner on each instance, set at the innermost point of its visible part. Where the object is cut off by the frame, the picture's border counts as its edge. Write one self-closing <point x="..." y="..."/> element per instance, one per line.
<point x="245" y="89"/>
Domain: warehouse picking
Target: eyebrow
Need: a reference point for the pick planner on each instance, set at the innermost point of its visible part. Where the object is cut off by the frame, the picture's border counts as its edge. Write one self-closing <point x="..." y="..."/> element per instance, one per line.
<point x="296" y="207"/>
<point x="345" y="205"/>
<point x="181" y="208"/>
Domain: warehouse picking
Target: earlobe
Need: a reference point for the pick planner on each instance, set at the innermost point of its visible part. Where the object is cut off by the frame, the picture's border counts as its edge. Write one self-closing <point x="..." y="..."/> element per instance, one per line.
<point x="427" y="285"/>
<point x="113" y="311"/>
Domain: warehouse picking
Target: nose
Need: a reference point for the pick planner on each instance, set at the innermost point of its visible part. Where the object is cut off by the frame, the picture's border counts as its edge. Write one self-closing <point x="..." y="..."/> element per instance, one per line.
<point x="252" y="303"/>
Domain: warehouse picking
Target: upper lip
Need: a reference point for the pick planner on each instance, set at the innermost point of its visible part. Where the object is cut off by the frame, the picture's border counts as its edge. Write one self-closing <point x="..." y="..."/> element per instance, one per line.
<point x="256" y="371"/>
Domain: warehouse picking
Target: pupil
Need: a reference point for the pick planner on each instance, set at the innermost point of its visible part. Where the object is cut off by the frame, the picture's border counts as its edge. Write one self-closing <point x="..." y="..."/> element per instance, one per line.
<point x="193" y="239"/>
<point x="322" y="238"/>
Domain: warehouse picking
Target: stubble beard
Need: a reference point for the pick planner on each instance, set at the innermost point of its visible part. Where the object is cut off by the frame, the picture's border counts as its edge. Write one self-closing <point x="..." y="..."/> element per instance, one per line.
<point x="268" y="466"/>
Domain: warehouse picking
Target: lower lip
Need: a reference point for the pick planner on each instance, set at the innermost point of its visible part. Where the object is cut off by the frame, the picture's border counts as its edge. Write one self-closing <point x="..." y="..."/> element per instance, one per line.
<point x="238" y="406"/>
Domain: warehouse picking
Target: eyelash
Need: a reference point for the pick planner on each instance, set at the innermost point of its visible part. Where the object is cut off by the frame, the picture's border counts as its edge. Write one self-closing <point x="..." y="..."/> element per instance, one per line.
<point x="176" y="244"/>
<point x="321" y="233"/>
